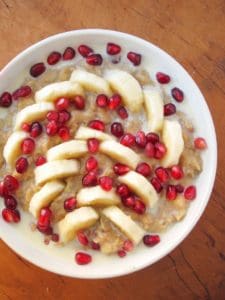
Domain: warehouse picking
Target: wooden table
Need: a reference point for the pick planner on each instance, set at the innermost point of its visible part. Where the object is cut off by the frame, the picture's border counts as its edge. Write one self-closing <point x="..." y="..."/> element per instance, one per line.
<point x="191" y="31"/>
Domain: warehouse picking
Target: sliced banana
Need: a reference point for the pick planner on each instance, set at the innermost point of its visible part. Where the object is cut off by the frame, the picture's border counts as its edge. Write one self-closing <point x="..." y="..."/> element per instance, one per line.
<point x="124" y="222"/>
<point x="74" y="221"/>
<point x="140" y="186"/>
<point x="120" y="153"/>
<point x="85" y="133"/>
<point x="97" y="196"/>
<point x="91" y="82"/>
<point x="71" y="149"/>
<point x="52" y="91"/>
<point x="32" y="113"/>
<point x="127" y="86"/>
<point x="154" y="109"/>
<point x="173" y="139"/>
<point x="12" y="147"/>
<point x="45" y="196"/>
<point x="56" y="169"/>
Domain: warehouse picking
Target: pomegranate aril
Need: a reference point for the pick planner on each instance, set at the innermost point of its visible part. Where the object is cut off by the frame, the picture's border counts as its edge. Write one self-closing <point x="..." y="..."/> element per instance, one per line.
<point x="190" y="192"/>
<point x="11" y="184"/>
<point x="82" y="258"/>
<point x="52" y="115"/>
<point x="123" y="190"/>
<point x="122" y="112"/>
<point x="62" y="103"/>
<point x="21" y="165"/>
<point x="156" y="184"/>
<point x="176" y="172"/>
<point x="114" y="101"/>
<point x="169" y="109"/>
<point x="162" y="174"/>
<point x="44" y="218"/>
<point x="160" y="150"/>
<point x="162" y="78"/>
<point x="121" y="253"/>
<point x="55" y="237"/>
<point x="200" y="143"/>
<point x="102" y="100"/>
<point x="79" y="102"/>
<point x="113" y="49"/>
<point x="129" y="201"/>
<point x="117" y="129"/>
<point x="139" y="207"/>
<point x="23" y="91"/>
<point x="179" y="188"/>
<point x="70" y="204"/>
<point x="171" y="192"/>
<point x="47" y="230"/>
<point x="40" y="161"/>
<point x="128" y="245"/>
<point x="150" y="150"/>
<point x="27" y="146"/>
<point x="10" y="202"/>
<point x="94" y="59"/>
<point x="64" y="116"/>
<point x="69" y="53"/>
<point x="64" y="133"/>
<point x="52" y="128"/>
<point x="93" y="145"/>
<point x="120" y="169"/>
<point x="35" y="129"/>
<point x="127" y="140"/>
<point x="82" y="238"/>
<point x="54" y="57"/>
<point x="25" y="127"/>
<point x="11" y="216"/>
<point x="135" y="58"/>
<point x="151" y="240"/>
<point x="3" y="190"/>
<point x="144" y="169"/>
<point x="90" y="179"/>
<point x="97" y="124"/>
<point x="140" y="139"/>
<point x="84" y="50"/>
<point x="177" y="94"/>
<point x="37" y="69"/>
<point x="91" y="164"/>
<point x="5" y="99"/>
<point x="152" y="137"/>
<point x="95" y="246"/>
<point x="106" y="183"/>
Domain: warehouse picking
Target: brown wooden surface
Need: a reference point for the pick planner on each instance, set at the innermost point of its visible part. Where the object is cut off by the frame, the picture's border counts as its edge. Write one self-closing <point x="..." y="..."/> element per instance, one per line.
<point x="194" y="33"/>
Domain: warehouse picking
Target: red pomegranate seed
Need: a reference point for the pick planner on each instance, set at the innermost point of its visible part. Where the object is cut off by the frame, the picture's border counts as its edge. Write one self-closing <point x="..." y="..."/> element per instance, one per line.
<point x="5" y="99"/>
<point x="127" y="140"/>
<point x="129" y="201"/>
<point x="113" y="49"/>
<point x="122" y="112"/>
<point x="135" y="58"/>
<point x="11" y="216"/>
<point x="91" y="164"/>
<point x="151" y="240"/>
<point x="21" y="165"/>
<point x="62" y="103"/>
<point x="55" y="237"/>
<point x="157" y="184"/>
<point x="47" y="231"/>
<point x="114" y="101"/>
<point x="144" y="169"/>
<point x="200" y="143"/>
<point x="97" y="124"/>
<point x="54" y="57"/>
<point x="179" y="188"/>
<point x="139" y="207"/>
<point x="162" y="174"/>
<point x="70" y="204"/>
<point x="171" y="192"/>
<point x="25" y="127"/>
<point x="106" y="183"/>
<point x="169" y="109"/>
<point x="79" y="102"/>
<point x="90" y="179"/>
<point x="190" y="192"/>
<point x="52" y="128"/>
<point x="27" y="146"/>
<point x="84" y="50"/>
<point x="40" y="161"/>
<point x="102" y="100"/>
<point x="82" y="238"/>
<point x="160" y="150"/>
<point x="35" y="129"/>
<point x="123" y="190"/>
<point x="176" y="172"/>
<point x="3" y="189"/>
<point x="128" y="245"/>
<point x="95" y="246"/>
<point x="64" y="116"/>
<point x="120" y="169"/>
<point x="10" y="202"/>
<point x="44" y="218"/>
<point x="150" y="150"/>
<point x="117" y="129"/>
<point x="23" y="91"/>
<point x="37" y="69"/>
<point x="82" y="258"/>
<point x="10" y="183"/>
<point x="152" y="137"/>
<point x="177" y="94"/>
<point x="94" y="59"/>
<point x="140" y="139"/>
<point x="64" y="133"/>
<point x="121" y="253"/>
<point x="93" y="145"/>
<point x="162" y="78"/>
<point x="52" y="115"/>
<point x="69" y="53"/>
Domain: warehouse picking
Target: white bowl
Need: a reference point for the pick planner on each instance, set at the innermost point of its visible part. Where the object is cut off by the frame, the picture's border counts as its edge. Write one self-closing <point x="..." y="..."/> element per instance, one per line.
<point x="59" y="260"/>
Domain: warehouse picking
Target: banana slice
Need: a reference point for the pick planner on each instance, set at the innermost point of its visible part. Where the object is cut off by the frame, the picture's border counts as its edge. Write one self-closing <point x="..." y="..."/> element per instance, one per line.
<point x="127" y="86"/>
<point x="140" y="186"/>
<point x="32" y="113"/>
<point x="154" y="109"/>
<point x="91" y="82"/>
<point x="120" y="153"/>
<point x="124" y="222"/>
<point x="56" y="169"/>
<point x="85" y="133"/>
<point x="45" y="196"/>
<point x="173" y="139"/>
<point x="12" y="147"/>
<point x="97" y="196"/>
<point x="71" y="149"/>
<point x="74" y="221"/>
<point x="51" y="92"/>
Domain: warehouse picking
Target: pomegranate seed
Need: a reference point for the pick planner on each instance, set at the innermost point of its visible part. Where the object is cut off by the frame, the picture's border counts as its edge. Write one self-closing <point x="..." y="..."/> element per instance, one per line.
<point x="121" y="253"/>
<point x="62" y="103"/>
<point x="37" y="69"/>
<point x="139" y="207"/>
<point x="113" y="49"/>
<point x="117" y="129"/>
<point x="94" y="59"/>
<point x="135" y="58"/>
<point x="45" y="230"/>
<point x="27" y="146"/>
<point x="190" y="192"/>
<point x="55" y="237"/>
<point x="128" y="246"/>
<point x="150" y="150"/>
<point x="120" y="169"/>
<point x="171" y="192"/>
<point x="129" y="201"/>
<point x="140" y="139"/>
<point x="162" y="78"/>
<point x="5" y="99"/>
<point x="10" y="183"/>
<point x="10" y="202"/>
<point x="40" y="161"/>
<point x="106" y="183"/>
<point x="93" y="145"/>
<point x="91" y="164"/>
<point x="25" y="127"/>
<point x="82" y="238"/>
<point x="160" y="150"/>
<point x="52" y="115"/>
<point x="90" y="179"/>
<point x="123" y="190"/>
<point x="69" y="53"/>
<point x="79" y="102"/>
<point x="54" y="57"/>
<point x="177" y="94"/>
<point x="152" y="137"/>
<point x="70" y="204"/>
<point x="23" y="91"/>
<point x="151" y="240"/>
<point x="11" y="215"/>
<point x="97" y="124"/>
<point x="35" y="129"/>
<point x="176" y="172"/>
<point x="102" y="100"/>
<point x="21" y="165"/>
<point x="44" y="218"/>
<point x="144" y="169"/>
<point x="3" y="189"/>
<point x="114" y="101"/>
<point x="64" y="133"/>
<point x="162" y="174"/>
<point x="200" y="143"/>
<point x="169" y="109"/>
<point x="95" y="246"/>
<point x="83" y="258"/>
<point x="64" y="116"/>
<point x="52" y="128"/>
<point x="127" y="140"/>
<point x="156" y="184"/>
<point x="179" y="188"/>
<point x="122" y="112"/>
<point x="84" y="50"/>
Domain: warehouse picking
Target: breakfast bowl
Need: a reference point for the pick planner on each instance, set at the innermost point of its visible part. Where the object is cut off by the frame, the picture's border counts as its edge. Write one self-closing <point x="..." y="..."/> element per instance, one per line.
<point x="91" y="64"/>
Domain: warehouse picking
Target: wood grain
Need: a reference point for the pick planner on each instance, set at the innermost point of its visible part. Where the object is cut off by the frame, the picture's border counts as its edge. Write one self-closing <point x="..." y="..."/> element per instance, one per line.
<point x="193" y="32"/>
